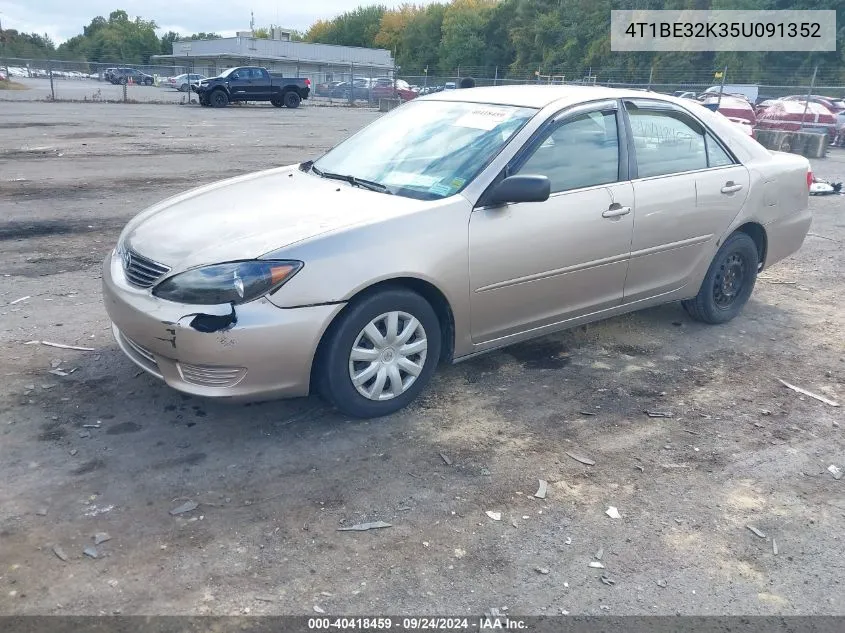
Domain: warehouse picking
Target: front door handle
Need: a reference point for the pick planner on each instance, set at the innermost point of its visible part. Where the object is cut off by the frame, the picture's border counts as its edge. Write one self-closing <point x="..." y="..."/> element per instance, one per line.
<point x="616" y="211"/>
<point x="731" y="187"/>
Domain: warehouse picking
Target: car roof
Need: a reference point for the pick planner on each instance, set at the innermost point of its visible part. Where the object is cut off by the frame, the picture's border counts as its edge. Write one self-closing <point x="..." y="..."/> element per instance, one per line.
<point x="540" y="96"/>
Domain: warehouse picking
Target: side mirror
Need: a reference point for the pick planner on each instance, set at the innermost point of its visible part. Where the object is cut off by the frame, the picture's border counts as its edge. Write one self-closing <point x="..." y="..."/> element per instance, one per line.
<point x="520" y="189"/>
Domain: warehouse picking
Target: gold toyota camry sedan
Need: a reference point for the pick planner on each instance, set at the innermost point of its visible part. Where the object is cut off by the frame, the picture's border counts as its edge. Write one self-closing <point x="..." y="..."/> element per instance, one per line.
<point x="459" y="223"/>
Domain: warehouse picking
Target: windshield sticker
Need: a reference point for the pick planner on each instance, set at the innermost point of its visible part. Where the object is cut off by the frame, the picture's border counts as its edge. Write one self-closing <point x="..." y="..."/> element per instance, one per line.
<point x="484" y="118"/>
<point x="457" y="183"/>
<point x="409" y="179"/>
<point x="440" y="190"/>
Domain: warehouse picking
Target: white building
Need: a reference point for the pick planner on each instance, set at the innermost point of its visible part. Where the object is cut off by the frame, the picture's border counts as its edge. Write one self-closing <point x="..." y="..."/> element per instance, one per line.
<point x="318" y="62"/>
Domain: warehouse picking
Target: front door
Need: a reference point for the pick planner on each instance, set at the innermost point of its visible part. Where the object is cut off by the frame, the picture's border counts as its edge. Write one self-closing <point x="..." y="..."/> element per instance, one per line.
<point x="538" y="264"/>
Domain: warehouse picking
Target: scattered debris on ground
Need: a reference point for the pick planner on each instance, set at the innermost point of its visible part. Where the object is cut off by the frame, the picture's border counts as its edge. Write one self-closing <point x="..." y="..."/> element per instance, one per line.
<point x="541" y="490"/>
<point x="613" y="513"/>
<point x="496" y="516"/>
<point x="756" y="531"/>
<point x="188" y="506"/>
<point x="816" y="396"/>
<point x="581" y="458"/>
<point x="363" y="527"/>
<point x="445" y="459"/>
<point x="58" y="551"/>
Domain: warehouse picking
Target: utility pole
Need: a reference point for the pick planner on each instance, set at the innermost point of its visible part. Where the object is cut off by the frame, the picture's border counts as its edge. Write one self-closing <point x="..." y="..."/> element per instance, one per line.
<point x="809" y="94"/>
<point x="721" y="88"/>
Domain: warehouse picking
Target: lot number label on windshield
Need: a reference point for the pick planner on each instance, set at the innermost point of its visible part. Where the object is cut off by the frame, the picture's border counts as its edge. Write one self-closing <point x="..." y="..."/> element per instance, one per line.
<point x="484" y="118"/>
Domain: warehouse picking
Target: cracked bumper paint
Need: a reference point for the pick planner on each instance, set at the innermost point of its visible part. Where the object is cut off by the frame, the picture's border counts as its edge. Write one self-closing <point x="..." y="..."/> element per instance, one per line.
<point x="267" y="354"/>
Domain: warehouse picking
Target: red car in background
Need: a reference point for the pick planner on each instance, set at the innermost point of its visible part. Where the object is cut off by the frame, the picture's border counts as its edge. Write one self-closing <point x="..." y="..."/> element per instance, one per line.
<point x="387" y="88"/>
<point x="834" y="105"/>
<point x="732" y="106"/>
<point x="793" y="115"/>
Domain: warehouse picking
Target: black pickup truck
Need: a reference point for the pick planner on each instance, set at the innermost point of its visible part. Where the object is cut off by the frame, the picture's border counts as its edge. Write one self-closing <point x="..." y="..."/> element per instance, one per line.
<point x="252" y="83"/>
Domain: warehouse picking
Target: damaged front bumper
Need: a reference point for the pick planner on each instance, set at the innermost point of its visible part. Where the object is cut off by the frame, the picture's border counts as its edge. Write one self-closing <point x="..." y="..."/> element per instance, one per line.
<point x="259" y="351"/>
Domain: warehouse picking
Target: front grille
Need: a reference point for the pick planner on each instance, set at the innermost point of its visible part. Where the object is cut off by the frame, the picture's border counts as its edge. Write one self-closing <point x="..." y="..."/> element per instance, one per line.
<point x="142" y="271"/>
<point x="211" y="375"/>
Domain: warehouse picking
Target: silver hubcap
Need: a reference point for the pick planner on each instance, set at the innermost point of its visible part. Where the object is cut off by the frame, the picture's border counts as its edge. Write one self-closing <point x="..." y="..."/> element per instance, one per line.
<point x="387" y="356"/>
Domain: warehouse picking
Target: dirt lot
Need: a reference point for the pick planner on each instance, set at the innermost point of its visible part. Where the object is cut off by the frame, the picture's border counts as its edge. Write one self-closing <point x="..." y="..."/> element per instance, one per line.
<point x="274" y="481"/>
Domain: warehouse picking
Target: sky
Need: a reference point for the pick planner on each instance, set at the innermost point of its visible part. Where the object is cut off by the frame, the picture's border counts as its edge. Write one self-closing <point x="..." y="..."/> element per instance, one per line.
<point x="61" y="19"/>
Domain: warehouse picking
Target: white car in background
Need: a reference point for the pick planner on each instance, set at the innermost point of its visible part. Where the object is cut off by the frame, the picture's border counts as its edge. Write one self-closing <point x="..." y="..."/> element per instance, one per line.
<point x="183" y="82"/>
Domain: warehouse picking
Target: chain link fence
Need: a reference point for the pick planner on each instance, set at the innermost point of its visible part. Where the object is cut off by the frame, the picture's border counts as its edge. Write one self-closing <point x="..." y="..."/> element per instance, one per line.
<point x="52" y="80"/>
<point x="345" y="84"/>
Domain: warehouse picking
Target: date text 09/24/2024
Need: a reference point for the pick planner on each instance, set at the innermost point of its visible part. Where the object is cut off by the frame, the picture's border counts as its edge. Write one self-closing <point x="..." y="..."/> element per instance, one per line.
<point x="484" y="623"/>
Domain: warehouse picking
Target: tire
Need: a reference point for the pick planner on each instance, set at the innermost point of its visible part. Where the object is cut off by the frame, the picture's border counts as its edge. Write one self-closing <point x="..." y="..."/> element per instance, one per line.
<point x="292" y="99"/>
<point x="218" y="99"/>
<point x="148" y="82"/>
<point x="184" y="88"/>
<point x="722" y="297"/>
<point x="277" y="103"/>
<point x="123" y="81"/>
<point x="335" y="367"/>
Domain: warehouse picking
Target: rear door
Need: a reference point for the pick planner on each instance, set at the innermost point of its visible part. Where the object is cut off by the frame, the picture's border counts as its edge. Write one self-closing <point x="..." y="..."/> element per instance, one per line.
<point x="262" y="84"/>
<point x="688" y="189"/>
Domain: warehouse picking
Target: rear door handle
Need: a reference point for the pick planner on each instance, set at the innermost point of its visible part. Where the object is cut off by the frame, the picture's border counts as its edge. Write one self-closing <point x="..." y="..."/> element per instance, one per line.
<point x="615" y="211"/>
<point x="731" y="187"/>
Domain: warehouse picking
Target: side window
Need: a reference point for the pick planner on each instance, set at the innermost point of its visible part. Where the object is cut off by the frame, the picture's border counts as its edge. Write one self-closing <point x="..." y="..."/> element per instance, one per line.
<point x="579" y="152"/>
<point x="716" y="156"/>
<point x="257" y="73"/>
<point x="666" y="142"/>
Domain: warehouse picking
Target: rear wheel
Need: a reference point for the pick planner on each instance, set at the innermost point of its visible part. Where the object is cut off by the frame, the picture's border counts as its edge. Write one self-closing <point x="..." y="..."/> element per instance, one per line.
<point x="148" y="82"/>
<point x="183" y="88"/>
<point x="381" y="354"/>
<point x="218" y="99"/>
<point x="728" y="283"/>
<point x="292" y="100"/>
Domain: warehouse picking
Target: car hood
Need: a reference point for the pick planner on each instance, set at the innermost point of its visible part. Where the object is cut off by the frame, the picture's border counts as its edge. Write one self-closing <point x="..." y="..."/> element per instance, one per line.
<point x="249" y="216"/>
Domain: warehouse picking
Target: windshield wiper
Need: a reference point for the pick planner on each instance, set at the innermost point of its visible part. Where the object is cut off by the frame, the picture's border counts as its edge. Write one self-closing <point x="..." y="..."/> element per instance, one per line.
<point x="352" y="180"/>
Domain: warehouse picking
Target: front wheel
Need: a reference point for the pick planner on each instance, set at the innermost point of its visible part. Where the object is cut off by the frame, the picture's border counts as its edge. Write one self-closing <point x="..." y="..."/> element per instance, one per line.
<point x="728" y="283"/>
<point x="292" y="100"/>
<point x="277" y="103"/>
<point x="183" y="88"/>
<point x="381" y="354"/>
<point x="218" y="99"/>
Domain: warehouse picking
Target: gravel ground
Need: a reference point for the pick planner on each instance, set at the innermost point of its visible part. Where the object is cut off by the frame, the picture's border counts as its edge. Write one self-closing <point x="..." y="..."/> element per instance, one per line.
<point x="106" y="449"/>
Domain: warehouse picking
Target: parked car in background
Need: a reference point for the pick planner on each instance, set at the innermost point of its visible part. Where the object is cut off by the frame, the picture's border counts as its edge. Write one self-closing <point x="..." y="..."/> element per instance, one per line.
<point x="834" y="105"/>
<point x="325" y="89"/>
<point x="685" y="94"/>
<point x="516" y="218"/>
<point x="183" y="83"/>
<point x="131" y="75"/>
<point x="450" y="85"/>
<point x="3" y="76"/>
<point x="387" y="88"/>
<point x="749" y="91"/>
<point x="359" y="89"/>
<point x="794" y="116"/>
<point x="731" y="106"/>
<point x="252" y="83"/>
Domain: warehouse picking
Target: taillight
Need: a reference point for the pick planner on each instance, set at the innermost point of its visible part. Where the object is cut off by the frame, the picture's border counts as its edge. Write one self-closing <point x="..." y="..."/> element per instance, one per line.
<point x="307" y="82"/>
<point x="810" y="178"/>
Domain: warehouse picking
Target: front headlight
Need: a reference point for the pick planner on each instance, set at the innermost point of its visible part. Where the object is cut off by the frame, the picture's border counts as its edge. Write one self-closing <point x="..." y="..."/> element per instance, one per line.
<point x="235" y="282"/>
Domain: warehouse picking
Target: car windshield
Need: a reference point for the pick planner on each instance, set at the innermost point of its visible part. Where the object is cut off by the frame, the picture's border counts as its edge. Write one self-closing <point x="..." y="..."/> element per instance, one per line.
<point x="227" y="72"/>
<point x="426" y="149"/>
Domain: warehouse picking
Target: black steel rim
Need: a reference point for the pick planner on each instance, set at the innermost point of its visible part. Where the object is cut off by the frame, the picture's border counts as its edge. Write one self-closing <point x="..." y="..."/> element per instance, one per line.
<point x="730" y="280"/>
